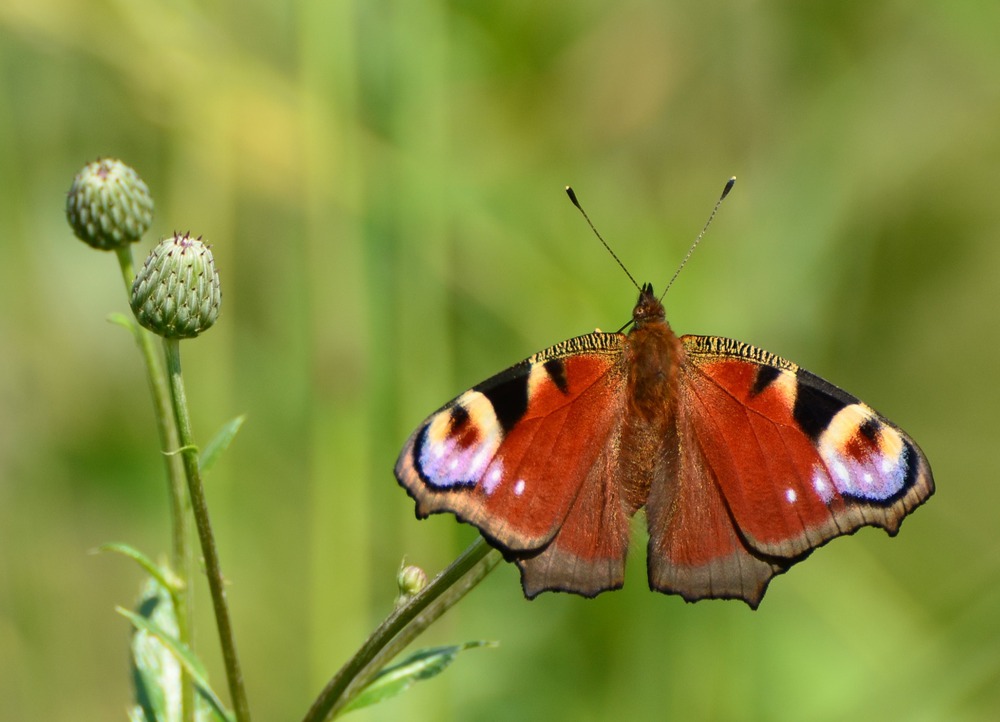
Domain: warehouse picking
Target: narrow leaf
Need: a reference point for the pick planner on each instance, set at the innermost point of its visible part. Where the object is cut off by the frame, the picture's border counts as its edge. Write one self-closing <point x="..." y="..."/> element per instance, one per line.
<point x="161" y="573"/>
<point x="420" y="665"/>
<point x="126" y="322"/>
<point x="219" y="443"/>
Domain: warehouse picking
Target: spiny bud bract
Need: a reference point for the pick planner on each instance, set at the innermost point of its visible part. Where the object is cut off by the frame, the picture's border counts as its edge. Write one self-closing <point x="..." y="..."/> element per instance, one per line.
<point x="177" y="294"/>
<point x="108" y="205"/>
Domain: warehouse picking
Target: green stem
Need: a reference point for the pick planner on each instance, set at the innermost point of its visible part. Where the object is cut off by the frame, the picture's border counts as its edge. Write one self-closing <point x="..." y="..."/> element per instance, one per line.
<point x="213" y="570"/>
<point x="181" y="557"/>
<point x="402" y="626"/>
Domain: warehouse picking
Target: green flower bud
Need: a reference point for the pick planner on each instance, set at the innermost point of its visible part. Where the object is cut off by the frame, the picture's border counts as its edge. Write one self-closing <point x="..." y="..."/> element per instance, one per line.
<point x="108" y="205"/>
<point x="177" y="294"/>
<point x="411" y="580"/>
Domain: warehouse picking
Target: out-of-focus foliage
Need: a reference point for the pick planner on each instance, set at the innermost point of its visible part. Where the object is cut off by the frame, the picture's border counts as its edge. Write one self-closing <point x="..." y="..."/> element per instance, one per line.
<point x="381" y="183"/>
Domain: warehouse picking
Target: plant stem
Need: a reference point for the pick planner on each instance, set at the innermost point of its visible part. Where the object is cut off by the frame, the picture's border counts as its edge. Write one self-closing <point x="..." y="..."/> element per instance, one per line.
<point x="209" y="551"/>
<point x="402" y="626"/>
<point x="181" y="557"/>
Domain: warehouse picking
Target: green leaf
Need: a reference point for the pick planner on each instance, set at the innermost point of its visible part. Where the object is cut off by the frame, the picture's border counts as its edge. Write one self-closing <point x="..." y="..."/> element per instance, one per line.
<point x="160" y="572"/>
<point x="219" y="443"/>
<point x="420" y="665"/>
<point x="184" y="656"/>
<point x="156" y="674"/>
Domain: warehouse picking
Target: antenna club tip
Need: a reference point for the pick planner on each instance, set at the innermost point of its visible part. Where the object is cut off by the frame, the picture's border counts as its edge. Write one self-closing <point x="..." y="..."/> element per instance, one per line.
<point x="729" y="186"/>
<point x="572" y="196"/>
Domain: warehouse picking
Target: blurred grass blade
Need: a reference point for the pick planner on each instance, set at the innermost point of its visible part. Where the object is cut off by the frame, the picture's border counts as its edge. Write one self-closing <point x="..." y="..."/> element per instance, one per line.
<point x="184" y="656"/>
<point x="161" y="573"/>
<point x="219" y="443"/>
<point x="421" y="665"/>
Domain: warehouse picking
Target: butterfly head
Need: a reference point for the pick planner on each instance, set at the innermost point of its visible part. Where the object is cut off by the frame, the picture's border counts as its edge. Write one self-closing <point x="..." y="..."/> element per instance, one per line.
<point x="648" y="309"/>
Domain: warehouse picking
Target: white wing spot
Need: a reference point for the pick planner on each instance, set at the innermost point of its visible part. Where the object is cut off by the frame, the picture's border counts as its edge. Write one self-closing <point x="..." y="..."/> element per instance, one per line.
<point x="519" y="487"/>
<point x="482" y="458"/>
<point x="790" y="495"/>
<point x="840" y="469"/>
<point x="821" y="487"/>
<point x="493" y="478"/>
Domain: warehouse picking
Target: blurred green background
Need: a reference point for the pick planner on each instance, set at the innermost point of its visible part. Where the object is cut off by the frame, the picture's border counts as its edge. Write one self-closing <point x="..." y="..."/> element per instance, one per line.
<point x="382" y="185"/>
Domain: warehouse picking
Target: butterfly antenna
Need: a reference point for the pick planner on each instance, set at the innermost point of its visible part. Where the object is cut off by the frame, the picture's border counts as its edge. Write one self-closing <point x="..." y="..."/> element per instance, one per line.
<point x="725" y="192"/>
<point x="572" y="197"/>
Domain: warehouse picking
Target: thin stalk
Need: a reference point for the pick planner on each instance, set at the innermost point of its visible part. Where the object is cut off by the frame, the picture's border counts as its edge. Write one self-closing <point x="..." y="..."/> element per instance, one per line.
<point x="181" y="556"/>
<point x="199" y="506"/>
<point x="402" y="626"/>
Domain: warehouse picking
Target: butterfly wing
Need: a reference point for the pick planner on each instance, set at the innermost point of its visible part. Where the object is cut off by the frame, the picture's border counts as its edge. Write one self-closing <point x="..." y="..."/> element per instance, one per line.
<point x="772" y="462"/>
<point x="695" y="547"/>
<point x="528" y="457"/>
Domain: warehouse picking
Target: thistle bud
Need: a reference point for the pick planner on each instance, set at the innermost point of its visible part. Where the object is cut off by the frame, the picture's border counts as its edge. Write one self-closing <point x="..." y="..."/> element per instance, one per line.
<point x="108" y="205"/>
<point x="411" y="580"/>
<point x="177" y="294"/>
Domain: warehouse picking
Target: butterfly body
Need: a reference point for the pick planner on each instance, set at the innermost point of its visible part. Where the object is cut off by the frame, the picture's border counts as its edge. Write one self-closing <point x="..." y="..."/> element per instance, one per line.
<point x="743" y="462"/>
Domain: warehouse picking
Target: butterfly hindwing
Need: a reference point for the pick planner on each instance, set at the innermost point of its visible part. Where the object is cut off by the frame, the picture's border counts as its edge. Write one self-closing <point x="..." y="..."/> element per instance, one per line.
<point x="526" y="451"/>
<point x="794" y="462"/>
<point x="695" y="548"/>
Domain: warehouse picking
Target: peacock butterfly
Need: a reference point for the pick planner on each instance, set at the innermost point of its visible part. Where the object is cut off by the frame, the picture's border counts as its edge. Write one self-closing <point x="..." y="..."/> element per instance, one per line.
<point x="743" y="461"/>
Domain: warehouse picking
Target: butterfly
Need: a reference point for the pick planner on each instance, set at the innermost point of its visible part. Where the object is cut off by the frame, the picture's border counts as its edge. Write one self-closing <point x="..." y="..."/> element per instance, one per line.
<point x="743" y="461"/>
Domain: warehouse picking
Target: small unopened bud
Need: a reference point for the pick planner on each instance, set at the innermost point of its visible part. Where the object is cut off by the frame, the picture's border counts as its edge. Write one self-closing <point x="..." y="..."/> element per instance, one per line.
<point x="108" y="205"/>
<point x="177" y="294"/>
<point x="411" y="581"/>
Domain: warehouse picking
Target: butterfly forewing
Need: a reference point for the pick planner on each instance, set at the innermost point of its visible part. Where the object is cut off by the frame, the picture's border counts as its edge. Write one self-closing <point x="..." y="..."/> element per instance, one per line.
<point x="512" y="454"/>
<point x="798" y="460"/>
